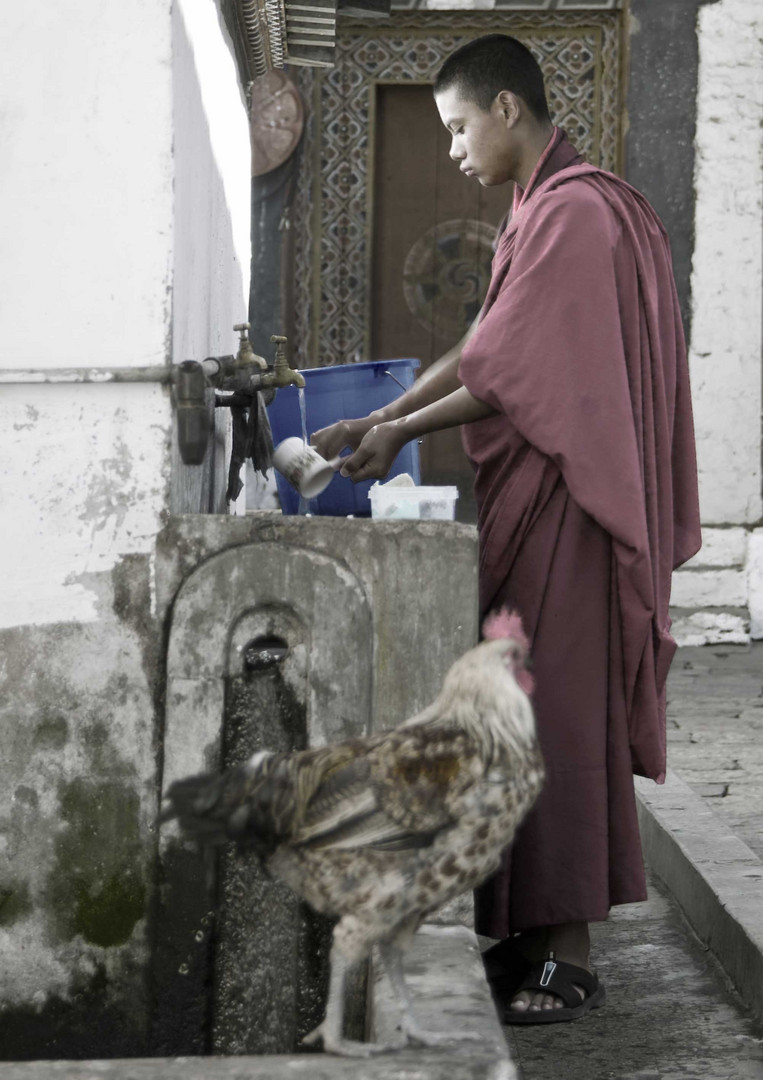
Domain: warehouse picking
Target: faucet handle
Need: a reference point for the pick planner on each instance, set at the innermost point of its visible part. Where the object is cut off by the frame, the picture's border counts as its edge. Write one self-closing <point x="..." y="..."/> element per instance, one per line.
<point x="242" y="329"/>
<point x="279" y="341"/>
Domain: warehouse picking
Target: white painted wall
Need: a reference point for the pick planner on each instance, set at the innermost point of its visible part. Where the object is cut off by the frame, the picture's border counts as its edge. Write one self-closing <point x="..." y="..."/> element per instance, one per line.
<point x="212" y="188"/>
<point x="727" y="327"/>
<point x="125" y="188"/>
<point x="85" y="183"/>
<point x="125" y="184"/>
<point x="85" y="279"/>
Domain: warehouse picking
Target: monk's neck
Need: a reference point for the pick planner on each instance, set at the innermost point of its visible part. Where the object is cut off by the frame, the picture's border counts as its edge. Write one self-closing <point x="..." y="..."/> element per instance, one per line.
<point x="537" y="141"/>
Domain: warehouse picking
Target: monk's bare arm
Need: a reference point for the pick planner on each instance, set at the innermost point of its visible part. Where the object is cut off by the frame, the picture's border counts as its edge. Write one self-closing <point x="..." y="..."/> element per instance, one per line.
<point x="381" y="445"/>
<point x="437" y="382"/>
<point x="459" y="407"/>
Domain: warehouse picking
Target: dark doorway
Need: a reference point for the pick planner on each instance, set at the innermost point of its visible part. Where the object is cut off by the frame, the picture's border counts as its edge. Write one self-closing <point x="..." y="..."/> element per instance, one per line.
<point x="432" y="248"/>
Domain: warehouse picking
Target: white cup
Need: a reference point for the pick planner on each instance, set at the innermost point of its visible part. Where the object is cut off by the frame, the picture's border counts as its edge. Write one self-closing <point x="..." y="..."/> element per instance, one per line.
<point x="304" y="467"/>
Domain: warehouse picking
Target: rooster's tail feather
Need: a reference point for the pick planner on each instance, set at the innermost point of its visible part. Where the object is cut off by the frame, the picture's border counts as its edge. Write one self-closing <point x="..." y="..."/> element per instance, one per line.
<point x="193" y="801"/>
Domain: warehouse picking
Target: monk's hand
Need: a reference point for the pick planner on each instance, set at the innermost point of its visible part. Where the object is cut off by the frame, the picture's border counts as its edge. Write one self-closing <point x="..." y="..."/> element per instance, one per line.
<point x="331" y="440"/>
<point x="374" y="457"/>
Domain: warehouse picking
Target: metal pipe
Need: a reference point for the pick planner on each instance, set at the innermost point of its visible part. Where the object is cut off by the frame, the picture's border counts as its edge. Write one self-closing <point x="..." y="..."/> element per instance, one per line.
<point x="160" y="373"/>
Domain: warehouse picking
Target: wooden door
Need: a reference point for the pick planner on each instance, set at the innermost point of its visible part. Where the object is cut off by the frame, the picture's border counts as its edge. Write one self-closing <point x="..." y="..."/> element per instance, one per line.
<point x="433" y="230"/>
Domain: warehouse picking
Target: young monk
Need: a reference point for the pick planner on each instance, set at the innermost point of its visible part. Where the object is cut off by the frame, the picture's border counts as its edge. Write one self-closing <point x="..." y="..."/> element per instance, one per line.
<point x="574" y="395"/>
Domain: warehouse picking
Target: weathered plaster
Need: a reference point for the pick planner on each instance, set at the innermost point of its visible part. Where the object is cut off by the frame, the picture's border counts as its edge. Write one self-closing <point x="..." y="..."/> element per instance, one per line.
<point x="111" y="152"/>
<point x="85" y="483"/>
<point x="77" y="811"/>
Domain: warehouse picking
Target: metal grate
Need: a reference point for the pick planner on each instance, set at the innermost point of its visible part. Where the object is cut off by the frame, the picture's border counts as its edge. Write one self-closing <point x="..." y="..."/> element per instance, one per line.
<point x="302" y="32"/>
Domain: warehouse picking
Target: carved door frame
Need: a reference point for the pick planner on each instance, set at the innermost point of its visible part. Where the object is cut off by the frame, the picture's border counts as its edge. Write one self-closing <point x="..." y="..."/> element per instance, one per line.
<point x="582" y="54"/>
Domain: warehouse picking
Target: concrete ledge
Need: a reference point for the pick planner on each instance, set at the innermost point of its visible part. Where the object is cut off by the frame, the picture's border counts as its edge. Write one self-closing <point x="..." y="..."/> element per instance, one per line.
<point x="714" y="876"/>
<point x="446" y="977"/>
<point x="450" y="992"/>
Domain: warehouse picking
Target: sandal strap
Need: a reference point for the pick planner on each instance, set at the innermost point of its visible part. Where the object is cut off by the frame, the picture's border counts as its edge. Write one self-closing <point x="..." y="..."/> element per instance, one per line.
<point x="559" y="978"/>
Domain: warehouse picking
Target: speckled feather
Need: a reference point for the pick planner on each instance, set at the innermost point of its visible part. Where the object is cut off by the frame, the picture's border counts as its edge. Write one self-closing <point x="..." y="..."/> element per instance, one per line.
<point x="382" y="830"/>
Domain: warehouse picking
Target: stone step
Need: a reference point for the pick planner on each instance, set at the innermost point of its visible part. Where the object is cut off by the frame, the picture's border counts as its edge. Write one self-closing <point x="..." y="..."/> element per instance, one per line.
<point x="715" y="878"/>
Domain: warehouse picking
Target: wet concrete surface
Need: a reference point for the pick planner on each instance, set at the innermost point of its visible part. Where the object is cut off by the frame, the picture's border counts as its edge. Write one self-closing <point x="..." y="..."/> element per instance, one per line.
<point x="670" y="1013"/>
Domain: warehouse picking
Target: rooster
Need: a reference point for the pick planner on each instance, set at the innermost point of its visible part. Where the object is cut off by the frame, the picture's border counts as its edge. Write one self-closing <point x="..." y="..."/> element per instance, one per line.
<point x="382" y="830"/>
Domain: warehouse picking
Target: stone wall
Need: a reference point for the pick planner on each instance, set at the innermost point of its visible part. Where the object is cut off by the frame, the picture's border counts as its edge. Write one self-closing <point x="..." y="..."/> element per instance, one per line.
<point x="720" y="594"/>
<point x="374" y="614"/>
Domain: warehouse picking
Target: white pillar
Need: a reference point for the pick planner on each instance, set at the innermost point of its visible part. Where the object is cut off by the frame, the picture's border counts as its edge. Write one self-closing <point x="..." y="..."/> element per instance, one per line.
<point x="723" y="584"/>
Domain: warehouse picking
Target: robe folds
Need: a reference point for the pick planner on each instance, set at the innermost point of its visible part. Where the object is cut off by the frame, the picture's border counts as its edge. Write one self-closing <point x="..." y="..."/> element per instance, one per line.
<point x="586" y="489"/>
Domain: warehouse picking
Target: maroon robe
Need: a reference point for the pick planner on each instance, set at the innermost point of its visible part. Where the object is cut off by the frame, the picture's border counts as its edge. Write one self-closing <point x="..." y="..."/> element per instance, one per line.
<point x="587" y="495"/>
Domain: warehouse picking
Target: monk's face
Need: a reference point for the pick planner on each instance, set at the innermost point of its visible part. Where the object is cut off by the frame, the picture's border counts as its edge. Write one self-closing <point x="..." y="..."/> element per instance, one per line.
<point x="483" y="142"/>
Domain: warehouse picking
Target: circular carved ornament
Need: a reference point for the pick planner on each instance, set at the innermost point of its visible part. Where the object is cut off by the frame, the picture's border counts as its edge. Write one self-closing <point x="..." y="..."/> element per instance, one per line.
<point x="277" y="119"/>
<point x="446" y="275"/>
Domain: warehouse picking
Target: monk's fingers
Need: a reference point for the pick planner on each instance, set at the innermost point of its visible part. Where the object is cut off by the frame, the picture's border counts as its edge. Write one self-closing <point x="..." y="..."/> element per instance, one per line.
<point x="365" y="464"/>
<point x="368" y="471"/>
<point x="354" y="462"/>
<point x="330" y="440"/>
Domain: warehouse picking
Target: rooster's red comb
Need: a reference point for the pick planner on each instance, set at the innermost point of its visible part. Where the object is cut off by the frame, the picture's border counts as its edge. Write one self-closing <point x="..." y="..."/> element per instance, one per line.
<point x="505" y="624"/>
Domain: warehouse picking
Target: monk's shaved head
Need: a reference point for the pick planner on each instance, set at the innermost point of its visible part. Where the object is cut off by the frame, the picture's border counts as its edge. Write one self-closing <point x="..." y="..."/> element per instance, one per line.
<point x="484" y="67"/>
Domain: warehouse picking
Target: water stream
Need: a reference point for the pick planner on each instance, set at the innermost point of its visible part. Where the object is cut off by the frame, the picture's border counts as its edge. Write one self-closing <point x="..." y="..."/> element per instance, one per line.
<point x="304" y="504"/>
<point x="302" y="411"/>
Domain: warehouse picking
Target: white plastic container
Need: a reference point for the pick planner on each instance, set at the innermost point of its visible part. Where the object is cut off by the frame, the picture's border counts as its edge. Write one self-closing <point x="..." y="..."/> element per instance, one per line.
<point x="423" y="503"/>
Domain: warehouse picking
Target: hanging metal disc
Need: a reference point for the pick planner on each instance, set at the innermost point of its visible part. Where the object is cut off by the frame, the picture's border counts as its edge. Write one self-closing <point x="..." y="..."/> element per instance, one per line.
<point x="277" y="119"/>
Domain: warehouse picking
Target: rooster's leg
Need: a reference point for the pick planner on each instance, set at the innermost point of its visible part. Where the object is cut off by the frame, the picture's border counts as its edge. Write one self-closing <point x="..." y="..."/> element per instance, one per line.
<point x="392" y="958"/>
<point x="330" y="1031"/>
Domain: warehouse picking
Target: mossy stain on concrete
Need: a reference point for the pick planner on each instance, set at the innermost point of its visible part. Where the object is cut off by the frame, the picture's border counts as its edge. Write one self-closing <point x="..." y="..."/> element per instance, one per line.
<point x="15" y="902"/>
<point x="97" y="887"/>
<point x="52" y="733"/>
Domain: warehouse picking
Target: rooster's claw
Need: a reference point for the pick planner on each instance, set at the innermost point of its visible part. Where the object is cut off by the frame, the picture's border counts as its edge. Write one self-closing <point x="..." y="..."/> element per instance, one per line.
<point x="333" y="1044"/>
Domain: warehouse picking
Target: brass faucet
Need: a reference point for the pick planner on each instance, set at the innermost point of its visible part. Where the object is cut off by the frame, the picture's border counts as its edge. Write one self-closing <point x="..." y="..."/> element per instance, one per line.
<point x="218" y="368"/>
<point x="282" y="374"/>
<point x="247" y="357"/>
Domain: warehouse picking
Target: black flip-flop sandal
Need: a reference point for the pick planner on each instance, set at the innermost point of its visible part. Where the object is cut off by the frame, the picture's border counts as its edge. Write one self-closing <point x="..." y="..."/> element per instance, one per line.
<point x="556" y="977"/>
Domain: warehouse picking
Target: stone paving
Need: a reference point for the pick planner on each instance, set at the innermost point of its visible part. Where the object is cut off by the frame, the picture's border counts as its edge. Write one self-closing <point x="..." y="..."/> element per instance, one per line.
<point x="669" y="1015"/>
<point x="671" y="1012"/>
<point x="715" y="732"/>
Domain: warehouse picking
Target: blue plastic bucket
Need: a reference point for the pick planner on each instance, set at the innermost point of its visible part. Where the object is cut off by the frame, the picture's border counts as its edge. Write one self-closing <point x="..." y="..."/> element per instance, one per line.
<point x="336" y="393"/>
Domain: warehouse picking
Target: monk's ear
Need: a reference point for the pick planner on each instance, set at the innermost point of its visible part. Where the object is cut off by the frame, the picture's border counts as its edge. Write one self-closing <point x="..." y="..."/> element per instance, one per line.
<point x="508" y="106"/>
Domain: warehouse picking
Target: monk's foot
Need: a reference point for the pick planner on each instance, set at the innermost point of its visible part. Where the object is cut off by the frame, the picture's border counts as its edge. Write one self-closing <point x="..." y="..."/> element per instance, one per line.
<point x="569" y="942"/>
